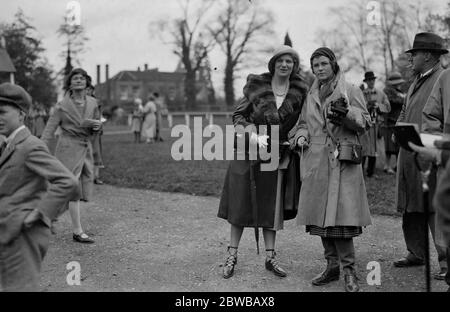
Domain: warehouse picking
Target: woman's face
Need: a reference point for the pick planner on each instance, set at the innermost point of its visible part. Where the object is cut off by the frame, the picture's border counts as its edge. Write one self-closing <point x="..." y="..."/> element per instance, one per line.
<point x="78" y="82"/>
<point x="284" y="66"/>
<point x="322" y="68"/>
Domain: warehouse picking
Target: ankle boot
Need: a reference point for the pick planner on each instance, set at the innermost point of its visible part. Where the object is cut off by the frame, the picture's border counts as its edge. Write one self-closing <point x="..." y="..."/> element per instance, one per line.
<point x="230" y="262"/>
<point x="273" y="265"/>
<point x="350" y="281"/>
<point x="330" y="274"/>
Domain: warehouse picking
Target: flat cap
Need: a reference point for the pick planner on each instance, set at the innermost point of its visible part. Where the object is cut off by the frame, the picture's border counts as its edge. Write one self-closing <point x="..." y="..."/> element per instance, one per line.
<point x="11" y="94"/>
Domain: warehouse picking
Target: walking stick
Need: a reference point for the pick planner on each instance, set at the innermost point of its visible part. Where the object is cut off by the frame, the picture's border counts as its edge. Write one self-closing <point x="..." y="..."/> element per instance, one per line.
<point x="425" y="173"/>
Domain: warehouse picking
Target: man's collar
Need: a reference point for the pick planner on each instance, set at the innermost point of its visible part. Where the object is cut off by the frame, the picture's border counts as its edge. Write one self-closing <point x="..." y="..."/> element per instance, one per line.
<point x="13" y="135"/>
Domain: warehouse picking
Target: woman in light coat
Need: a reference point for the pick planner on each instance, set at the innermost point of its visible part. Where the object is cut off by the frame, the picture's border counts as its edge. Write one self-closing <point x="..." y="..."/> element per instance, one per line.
<point x="333" y="201"/>
<point x="78" y="117"/>
<point x="149" y="125"/>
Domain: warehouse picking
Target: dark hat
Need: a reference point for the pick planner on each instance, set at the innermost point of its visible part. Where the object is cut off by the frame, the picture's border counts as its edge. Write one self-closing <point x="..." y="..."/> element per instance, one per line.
<point x="284" y="49"/>
<point x="369" y="76"/>
<point x="15" y="95"/>
<point x="429" y="42"/>
<point x="328" y="53"/>
<point x="395" y="78"/>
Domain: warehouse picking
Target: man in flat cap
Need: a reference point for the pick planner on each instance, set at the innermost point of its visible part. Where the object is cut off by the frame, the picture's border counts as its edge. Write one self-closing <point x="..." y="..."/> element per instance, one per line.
<point x="34" y="185"/>
<point x="425" y="61"/>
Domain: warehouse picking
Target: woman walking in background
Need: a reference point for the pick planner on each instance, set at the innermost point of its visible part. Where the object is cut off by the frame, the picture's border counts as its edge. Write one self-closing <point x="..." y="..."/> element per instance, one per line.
<point x="78" y="117"/>
<point x="149" y="125"/>
<point x="253" y="197"/>
<point x="333" y="201"/>
<point x="136" y="121"/>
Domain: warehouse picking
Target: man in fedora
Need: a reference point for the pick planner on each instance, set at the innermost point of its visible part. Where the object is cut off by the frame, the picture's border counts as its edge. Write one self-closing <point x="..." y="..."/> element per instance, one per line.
<point x="425" y="62"/>
<point x="396" y="98"/>
<point x="34" y="185"/>
<point x="377" y="104"/>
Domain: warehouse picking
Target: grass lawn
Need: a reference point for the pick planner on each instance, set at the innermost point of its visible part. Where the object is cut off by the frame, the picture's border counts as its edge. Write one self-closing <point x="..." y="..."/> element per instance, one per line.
<point x="150" y="166"/>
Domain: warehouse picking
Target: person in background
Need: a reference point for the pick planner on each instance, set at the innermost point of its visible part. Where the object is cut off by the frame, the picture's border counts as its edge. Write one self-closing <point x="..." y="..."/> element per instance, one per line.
<point x="377" y="104"/>
<point x="97" y="147"/>
<point x="333" y="200"/>
<point x="33" y="187"/>
<point x="78" y="117"/>
<point x="425" y="60"/>
<point x="136" y="120"/>
<point x="149" y="125"/>
<point x="159" y="108"/>
<point x="396" y="98"/>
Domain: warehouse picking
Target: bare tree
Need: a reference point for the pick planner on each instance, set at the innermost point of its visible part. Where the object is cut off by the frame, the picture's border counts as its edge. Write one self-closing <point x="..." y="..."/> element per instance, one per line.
<point x="243" y="30"/>
<point x="190" y="43"/>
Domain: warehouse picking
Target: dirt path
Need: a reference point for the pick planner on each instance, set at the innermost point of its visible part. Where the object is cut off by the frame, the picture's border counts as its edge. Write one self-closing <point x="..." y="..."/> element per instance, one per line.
<point x="152" y="241"/>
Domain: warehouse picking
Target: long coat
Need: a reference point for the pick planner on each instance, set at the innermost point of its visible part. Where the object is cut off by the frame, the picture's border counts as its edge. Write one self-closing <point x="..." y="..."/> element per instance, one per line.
<point x="249" y="195"/>
<point x="74" y="146"/>
<point x="396" y="99"/>
<point x="333" y="193"/>
<point x="369" y="138"/>
<point x="31" y="178"/>
<point x="409" y="192"/>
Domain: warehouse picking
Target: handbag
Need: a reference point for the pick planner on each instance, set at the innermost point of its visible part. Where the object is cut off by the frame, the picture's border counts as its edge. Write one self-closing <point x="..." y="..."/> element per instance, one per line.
<point x="347" y="151"/>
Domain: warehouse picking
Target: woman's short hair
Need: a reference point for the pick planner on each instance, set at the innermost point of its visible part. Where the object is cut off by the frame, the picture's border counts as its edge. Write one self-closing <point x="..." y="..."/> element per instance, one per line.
<point x="74" y="72"/>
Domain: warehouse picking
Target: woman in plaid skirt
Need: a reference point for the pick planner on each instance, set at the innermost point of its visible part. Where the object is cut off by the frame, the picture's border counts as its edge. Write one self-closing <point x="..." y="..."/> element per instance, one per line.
<point x="333" y="200"/>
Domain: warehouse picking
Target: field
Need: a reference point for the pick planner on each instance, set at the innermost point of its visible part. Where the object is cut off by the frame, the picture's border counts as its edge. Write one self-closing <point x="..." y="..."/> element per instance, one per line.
<point x="151" y="166"/>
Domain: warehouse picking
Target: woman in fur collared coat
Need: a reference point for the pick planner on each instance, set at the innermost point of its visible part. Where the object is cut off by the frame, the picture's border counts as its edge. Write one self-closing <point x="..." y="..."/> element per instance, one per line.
<point x="253" y="197"/>
<point x="333" y="200"/>
<point x="78" y="117"/>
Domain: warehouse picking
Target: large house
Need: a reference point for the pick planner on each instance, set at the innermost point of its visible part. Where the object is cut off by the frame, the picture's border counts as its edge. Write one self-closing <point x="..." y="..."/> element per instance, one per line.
<point x="127" y="85"/>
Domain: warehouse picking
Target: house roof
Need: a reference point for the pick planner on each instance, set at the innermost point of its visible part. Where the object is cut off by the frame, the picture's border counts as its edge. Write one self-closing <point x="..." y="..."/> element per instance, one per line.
<point x="6" y="64"/>
<point x="148" y="75"/>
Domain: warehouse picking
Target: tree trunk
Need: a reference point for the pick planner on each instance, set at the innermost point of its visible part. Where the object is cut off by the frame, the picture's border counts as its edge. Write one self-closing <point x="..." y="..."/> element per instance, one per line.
<point x="229" y="85"/>
<point x="190" y="90"/>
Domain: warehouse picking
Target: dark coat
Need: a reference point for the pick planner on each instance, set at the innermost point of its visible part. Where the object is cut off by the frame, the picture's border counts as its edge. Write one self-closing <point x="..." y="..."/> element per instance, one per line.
<point x="249" y="194"/>
<point x="409" y="196"/>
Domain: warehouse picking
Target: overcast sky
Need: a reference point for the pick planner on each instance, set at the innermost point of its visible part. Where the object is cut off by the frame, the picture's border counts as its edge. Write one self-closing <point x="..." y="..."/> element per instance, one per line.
<point x="119" y="34"/>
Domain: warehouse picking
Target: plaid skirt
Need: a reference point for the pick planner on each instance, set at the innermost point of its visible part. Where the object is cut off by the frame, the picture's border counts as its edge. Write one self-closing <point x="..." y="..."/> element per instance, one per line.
<point x="334" y="231"/>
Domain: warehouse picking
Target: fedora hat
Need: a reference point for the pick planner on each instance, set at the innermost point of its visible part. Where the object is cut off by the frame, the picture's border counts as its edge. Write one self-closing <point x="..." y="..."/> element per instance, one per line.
<point x="427" y="41"/>
<point x="395" y="78"/>
<point x="369" y="76"/>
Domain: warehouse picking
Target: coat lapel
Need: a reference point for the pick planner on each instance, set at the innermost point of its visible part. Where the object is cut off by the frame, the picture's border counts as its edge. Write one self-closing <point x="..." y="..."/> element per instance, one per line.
<point x="20" y="136"/>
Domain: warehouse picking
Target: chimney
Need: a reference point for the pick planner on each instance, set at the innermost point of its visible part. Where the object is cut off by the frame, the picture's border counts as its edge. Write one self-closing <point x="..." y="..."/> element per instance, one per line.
<point x="108" y="92"/>
<point x="98" y="74"/>
<point x="145" y="67"/>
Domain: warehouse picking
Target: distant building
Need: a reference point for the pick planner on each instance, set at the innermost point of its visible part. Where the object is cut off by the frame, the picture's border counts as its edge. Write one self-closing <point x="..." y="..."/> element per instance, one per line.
<point x="127" y="85"/>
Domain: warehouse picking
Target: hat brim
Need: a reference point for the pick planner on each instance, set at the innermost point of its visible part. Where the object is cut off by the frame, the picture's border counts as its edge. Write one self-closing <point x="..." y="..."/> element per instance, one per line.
<point x="372" y="78"/>
<point x="396" y="81"/>
<point x="442" y="51"/>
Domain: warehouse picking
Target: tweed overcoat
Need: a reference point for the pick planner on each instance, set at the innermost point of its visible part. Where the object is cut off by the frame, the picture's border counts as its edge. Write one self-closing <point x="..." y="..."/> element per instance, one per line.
<point x="249" y="194"/>
<point x="74" y="145"/>
<point x="409" y="191"/>
<point x="333" y="193"/>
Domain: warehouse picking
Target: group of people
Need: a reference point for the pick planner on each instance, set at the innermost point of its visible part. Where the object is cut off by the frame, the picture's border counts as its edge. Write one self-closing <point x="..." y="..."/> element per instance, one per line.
<point x="325" y="133"/>
<point x="319" y="179"/>
<point x="37" y="187"/>
<point x="147" y="119"/>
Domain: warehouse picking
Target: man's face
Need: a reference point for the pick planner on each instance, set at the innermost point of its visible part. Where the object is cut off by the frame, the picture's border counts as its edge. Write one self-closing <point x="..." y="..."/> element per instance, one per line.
<point x="11" y="118"/>
<point x="370" y="83"/>
<point x="417" y="60"/>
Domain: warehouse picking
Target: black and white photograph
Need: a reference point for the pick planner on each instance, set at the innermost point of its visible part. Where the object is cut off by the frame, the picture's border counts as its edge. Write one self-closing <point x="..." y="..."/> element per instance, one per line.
<point x="225" y="151"/>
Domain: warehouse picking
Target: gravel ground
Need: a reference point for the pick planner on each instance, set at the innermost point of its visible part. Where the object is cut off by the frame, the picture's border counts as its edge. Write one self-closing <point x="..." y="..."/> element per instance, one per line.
<point x="153" y="241"/>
